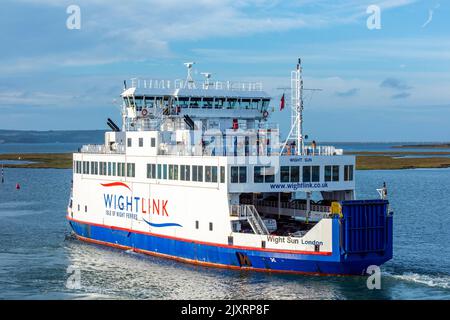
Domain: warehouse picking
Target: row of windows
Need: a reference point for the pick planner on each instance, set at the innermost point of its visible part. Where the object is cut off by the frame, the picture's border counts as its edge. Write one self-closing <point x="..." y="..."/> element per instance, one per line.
<point x="197" y="225"/>
<point x="261" y="174"/>
<point x="119" y="169"/>
<point x="266" y="174"/>
<point x="141" y="142"/>
<point x="183" y="172"/>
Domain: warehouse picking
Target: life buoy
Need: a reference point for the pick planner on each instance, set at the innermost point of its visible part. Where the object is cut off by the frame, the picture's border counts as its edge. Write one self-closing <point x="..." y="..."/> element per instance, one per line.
<point x="265" y="114"/>
<point x="144" y="112"/>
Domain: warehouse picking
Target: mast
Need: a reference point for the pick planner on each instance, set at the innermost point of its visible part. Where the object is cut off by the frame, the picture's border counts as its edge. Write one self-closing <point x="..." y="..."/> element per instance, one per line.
<point x="296" y="133"/>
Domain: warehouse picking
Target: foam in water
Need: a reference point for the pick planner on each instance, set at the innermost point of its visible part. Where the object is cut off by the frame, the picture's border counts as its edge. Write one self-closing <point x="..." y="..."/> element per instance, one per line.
<point x="431" y="281"/>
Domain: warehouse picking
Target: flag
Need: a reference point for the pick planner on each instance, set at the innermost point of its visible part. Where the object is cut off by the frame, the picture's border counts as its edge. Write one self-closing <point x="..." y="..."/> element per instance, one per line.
<point x="282" y="102"/>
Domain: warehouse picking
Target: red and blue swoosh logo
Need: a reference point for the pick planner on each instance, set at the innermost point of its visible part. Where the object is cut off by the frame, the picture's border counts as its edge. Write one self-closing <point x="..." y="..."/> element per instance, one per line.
<point x="116" y="184"/>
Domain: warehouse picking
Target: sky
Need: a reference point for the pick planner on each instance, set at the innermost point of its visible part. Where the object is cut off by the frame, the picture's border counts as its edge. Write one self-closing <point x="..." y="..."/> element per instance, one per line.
<point x="390" y="83"/>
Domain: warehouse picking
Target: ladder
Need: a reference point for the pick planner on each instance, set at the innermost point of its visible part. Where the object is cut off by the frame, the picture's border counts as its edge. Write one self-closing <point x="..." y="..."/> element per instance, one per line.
<point x="255" y="221"/>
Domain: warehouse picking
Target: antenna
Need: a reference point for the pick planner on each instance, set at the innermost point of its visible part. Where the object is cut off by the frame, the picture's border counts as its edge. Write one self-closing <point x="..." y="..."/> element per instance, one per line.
<point x="189" y="80"/>
<point x="207" y="77"/>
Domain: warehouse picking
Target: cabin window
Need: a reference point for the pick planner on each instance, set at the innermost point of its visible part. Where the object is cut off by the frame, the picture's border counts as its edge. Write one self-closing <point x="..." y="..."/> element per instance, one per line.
<point x="131" y="170"/>
<point x="141" y="142"/>
<point x="196" y="224"/>
<point x="284" y="174"/>
<point x="306" y="174"/>
<point x="210" y="174"/>
<point x="315" y="173"/>
<point x="222" y="174"/>
<point x="164" y="171"/>
<point x="207" y="173"/>
<point x="170" y="171"/>
<point x="159" y="171"/>
<point x="197" y="173"/>
<point x="185" y="173"/>
<point x="182" y="172"/>
<point x="113" y="168"/>
<point x="129" y="142"/>
<point x="214" y="174"/>
<point x="92" y="167"/>
<point x="85" y="208"/>
<point x="175" y="172"/>
<point x="123" y="169"/>
<point x="152" y="142"/>
<point x="348" y="173"/>
<point x="151" y="171"/>
<point x="109" y="169"/>
<point x="210" y="226"/>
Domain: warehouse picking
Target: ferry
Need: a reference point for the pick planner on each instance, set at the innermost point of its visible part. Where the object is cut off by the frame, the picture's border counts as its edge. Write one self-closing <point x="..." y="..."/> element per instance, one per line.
<point x="197" y="173"/>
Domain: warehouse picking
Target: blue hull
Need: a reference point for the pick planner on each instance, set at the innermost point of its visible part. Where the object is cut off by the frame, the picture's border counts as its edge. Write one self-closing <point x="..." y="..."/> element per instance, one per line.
<point x="336" y="262"/>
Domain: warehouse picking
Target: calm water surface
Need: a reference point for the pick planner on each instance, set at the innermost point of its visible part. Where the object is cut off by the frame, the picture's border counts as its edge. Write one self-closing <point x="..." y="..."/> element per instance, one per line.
<point x="36" y="248"/>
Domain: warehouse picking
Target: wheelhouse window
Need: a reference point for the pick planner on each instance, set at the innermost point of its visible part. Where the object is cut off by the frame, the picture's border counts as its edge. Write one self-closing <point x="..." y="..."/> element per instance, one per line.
<point x="315" y="173"/>
<point x="331" y="173"/>
<point x="285" y="174"/>
<point x="306" y="174"/>
<point x="263" y="174"/>
<point x="238" y="174"/>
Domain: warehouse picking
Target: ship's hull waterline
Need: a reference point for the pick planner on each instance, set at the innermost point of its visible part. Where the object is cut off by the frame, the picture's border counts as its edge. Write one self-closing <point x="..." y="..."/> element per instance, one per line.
<point x="227" y="256"/>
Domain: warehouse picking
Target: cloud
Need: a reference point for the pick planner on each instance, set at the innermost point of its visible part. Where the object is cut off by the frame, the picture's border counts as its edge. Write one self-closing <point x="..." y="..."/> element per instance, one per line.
<point x="402" y="95"/>
<point x="430" y="15"/>
<point x="349" y="93"/>
<point x="394" y="83"/>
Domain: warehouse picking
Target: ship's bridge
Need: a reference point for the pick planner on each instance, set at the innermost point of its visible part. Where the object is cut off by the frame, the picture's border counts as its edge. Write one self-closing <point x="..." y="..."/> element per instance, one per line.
<point x="150" y="99"/>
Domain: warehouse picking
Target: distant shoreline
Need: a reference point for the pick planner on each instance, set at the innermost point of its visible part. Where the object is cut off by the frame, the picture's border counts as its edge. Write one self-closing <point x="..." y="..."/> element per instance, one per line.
<point x="423" y="146"/>
<point x="364" y="160"/>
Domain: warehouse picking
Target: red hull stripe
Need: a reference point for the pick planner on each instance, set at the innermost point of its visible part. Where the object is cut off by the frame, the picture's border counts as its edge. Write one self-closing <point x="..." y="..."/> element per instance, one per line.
<point x="116" y="184"/>
<point x="324" y="253"/>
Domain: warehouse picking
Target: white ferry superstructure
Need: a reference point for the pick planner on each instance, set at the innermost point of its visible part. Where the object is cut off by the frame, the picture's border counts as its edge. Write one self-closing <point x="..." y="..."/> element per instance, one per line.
<point x="196" y="173"/>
